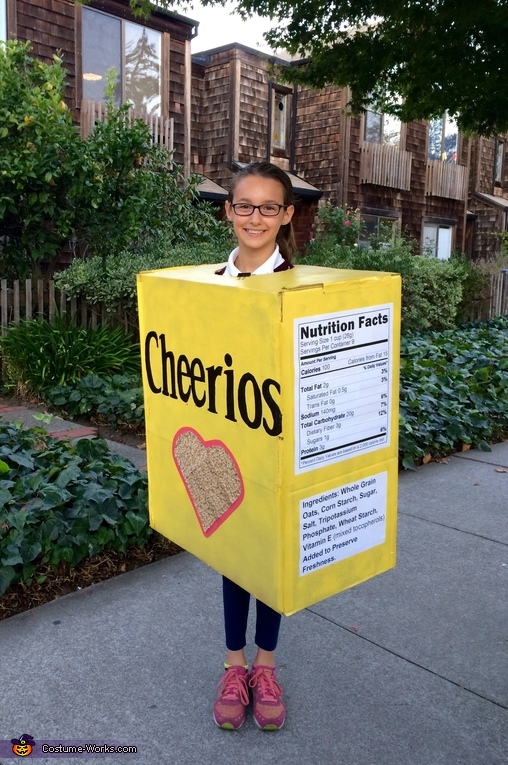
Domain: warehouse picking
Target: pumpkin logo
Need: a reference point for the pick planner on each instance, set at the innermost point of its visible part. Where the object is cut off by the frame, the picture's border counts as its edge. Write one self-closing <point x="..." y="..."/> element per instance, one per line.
<point x="23" y="745"/>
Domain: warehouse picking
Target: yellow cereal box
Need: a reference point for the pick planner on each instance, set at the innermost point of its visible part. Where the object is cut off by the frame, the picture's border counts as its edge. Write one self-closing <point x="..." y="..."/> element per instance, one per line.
<point x="272" y="422"/>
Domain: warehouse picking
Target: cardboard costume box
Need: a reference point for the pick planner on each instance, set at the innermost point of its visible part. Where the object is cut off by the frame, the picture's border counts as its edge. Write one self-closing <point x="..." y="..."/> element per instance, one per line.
<point x="272" y="424"/>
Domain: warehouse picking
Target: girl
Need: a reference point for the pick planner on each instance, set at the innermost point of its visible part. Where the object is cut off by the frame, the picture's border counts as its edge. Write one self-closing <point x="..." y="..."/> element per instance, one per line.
<point x="260" y="205"/>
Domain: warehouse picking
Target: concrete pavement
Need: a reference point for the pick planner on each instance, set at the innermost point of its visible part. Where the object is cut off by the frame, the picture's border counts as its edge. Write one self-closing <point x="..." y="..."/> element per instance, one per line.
<point x="409" y="668"/>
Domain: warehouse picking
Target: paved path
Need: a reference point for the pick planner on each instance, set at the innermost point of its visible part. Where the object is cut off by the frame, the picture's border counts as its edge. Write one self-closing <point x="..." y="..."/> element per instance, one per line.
<point x="409" y="668"/>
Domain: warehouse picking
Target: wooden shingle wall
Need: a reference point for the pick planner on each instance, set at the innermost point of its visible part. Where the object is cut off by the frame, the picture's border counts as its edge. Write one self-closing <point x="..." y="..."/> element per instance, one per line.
<point x="176" y="94"/>
<point x="50" y="26"/>
<point x="317" y="144"/>
<point x="484" y="165"/>
<point x="253" y="109"/>
<point x="490" y="220"/>
<point x="197" y="118"/>
<point x="210" y="116"/>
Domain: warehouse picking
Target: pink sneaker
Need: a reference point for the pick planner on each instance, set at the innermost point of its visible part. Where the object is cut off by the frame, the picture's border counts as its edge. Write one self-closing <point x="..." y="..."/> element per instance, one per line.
<point x="269" y="709"/>
<point x="229" y="708"/>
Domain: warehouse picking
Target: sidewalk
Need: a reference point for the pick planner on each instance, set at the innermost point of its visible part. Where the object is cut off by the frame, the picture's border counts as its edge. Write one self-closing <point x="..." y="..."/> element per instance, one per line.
<point x="409" y="668"/>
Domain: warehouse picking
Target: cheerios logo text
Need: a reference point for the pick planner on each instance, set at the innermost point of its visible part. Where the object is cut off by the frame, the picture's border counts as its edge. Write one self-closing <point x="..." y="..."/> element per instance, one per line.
<point x="217" y="386"/>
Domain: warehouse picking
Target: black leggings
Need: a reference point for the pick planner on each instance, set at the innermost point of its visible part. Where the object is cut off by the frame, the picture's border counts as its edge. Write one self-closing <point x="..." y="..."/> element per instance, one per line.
<point x="236" y="613"/>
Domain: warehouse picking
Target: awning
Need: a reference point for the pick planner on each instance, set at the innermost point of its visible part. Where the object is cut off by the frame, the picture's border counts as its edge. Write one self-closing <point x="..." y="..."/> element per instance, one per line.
<point x="492" y="199"/>
<point x="211" y="191"/>
<point x="300" y="187"/>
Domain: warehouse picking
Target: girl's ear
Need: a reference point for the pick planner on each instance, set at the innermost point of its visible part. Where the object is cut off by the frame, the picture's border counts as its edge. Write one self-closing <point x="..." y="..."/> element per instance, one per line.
<point x="288" y="214"/>
<point x="229" y="211"/>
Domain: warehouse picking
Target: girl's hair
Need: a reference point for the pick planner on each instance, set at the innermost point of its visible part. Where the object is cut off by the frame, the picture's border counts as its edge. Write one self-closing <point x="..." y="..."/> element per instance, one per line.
<point x="285" y="237"/>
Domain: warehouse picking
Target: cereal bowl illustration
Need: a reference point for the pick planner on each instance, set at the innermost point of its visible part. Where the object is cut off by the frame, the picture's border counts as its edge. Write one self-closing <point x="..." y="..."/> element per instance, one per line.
<point x="23" y="745"/>
<point x="211" y="477"/>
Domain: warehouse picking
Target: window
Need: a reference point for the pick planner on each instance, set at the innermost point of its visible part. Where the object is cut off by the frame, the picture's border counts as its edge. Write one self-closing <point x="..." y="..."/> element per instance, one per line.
<point x="132" y="50"/>
<point x="3" y="20"/>
<point x="443" y="139"/>
<point x="382" y="227"/>
<point x="498" y="162"/>
<point x="437" y="240"/>
<point x="382" y="128"/>
<point x="281" y="108"/>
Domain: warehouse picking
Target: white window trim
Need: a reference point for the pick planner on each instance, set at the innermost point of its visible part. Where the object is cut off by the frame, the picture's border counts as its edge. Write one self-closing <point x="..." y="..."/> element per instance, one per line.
<point x="435" y="248"/>
<point x="3" y="20"/>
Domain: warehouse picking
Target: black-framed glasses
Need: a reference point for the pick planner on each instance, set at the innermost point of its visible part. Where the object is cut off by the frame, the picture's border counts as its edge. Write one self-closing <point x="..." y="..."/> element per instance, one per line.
<point x="268" y="210"/>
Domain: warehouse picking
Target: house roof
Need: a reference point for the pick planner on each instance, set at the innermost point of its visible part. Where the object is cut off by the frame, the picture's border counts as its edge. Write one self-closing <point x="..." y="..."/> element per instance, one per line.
<point x="210" y="190"/>
<point x="300" y="187"/>
<point x="492" y="199"/>
<point x="104" y="5"/>
<point x="203" y="57"/>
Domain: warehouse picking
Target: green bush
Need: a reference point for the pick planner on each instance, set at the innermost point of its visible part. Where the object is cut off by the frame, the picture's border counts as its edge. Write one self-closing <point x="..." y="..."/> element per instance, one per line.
<point x="117" y="399"/>
<point x="63" y="502"/>
<point x="454" y="390"/>
<point x="338" y="225"/>
<point x="114" y="190"/>
<point x="41" y="161"/>
<point x="431" y="289"/>
<point x="39" y="355"/>
<point x="113" y="281"/>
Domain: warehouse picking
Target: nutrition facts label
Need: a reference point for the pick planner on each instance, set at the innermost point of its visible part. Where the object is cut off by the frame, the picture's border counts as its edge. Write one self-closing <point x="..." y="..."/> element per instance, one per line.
<point x="342" y="379"/>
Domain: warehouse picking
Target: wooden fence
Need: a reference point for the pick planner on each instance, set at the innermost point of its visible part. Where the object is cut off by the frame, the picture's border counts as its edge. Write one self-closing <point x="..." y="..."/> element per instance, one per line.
<point x="496" y="302"/>
<point x="34" y="299"/>
<point x="37" y="299"/>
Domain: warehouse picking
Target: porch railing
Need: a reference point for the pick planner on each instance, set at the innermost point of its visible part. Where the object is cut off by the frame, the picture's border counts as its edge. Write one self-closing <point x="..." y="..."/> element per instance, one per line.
<point x="385" y="165"/>
<point x="162" y="128"/>
<point x="445" y="179"/>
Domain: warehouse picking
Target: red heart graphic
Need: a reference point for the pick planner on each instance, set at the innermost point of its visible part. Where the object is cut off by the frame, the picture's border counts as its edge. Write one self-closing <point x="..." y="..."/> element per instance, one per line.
<point x="211" y="477"/>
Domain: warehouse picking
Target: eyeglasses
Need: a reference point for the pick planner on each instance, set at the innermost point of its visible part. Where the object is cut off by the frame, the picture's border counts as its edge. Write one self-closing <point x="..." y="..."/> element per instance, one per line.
<point x="268" y="211"/>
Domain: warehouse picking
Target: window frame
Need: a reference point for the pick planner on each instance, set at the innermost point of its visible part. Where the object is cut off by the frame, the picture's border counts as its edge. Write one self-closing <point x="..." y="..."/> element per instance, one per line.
<point x="383" y="116"/>
<point x="288" y="95"/>
<point x="4" y="24"/>
<point x="163" y="57"/>
<point x="499" y="162"/>
<point x="446" y="119"/>
<point x="439" y="225"/>
<point x="394" y="216"/>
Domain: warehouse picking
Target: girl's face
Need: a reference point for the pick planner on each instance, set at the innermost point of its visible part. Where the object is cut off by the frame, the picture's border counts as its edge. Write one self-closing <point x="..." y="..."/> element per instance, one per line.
<point x="257" y="233"/>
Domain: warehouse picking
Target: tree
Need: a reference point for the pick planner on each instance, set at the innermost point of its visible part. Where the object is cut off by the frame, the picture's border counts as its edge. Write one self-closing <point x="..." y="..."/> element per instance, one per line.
<point x="114" y="191"/>
<point x="40" y="160"/>
<point x="412" y="58"/>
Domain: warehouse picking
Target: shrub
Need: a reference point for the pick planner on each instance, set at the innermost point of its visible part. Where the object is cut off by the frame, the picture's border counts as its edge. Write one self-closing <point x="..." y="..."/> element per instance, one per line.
<point x="338" y="225"/>
<point x="113" y="281"/>
<point x="39" y="355"/>
<point x="112" y="191"/>
<point x="62" y="502"/>
<point x="431" y="288"/>
<point x="41" y="162"/>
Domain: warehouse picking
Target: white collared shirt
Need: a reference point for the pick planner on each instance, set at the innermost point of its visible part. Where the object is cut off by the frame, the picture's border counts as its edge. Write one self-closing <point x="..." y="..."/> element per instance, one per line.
<point x="268" y="267"/>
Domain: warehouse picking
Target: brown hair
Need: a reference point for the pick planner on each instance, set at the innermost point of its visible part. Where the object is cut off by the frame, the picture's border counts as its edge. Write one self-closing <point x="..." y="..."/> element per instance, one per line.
<point x="285" y="237"/>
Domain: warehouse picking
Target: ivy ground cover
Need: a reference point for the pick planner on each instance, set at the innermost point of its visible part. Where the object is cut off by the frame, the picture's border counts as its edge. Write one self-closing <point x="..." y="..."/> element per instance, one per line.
<point x="454" y="391"/>
<point x="62" y="502"/>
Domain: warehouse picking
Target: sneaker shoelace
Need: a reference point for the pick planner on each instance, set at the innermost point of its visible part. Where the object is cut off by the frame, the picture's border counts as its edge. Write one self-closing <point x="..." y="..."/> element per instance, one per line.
<point x="266" y="685"/>
<point x="232" y="687"/>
